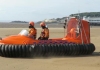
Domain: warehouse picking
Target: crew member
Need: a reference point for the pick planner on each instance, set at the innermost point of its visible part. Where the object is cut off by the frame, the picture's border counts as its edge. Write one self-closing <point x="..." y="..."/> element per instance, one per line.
<point x="45" y="32"/>
<point x="32" y="30"/>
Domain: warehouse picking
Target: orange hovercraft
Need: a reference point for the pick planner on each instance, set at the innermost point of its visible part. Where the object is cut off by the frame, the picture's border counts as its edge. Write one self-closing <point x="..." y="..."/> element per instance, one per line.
<point x="76" y="42"/>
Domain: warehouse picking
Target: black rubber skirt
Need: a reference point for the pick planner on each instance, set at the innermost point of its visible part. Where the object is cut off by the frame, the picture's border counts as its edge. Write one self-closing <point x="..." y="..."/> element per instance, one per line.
<point x="56" y="49"/>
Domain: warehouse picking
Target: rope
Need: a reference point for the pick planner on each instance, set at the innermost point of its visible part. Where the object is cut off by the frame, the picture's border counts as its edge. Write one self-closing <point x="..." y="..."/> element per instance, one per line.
<point x="81" y="31"/>
<point x="85" y="33"/>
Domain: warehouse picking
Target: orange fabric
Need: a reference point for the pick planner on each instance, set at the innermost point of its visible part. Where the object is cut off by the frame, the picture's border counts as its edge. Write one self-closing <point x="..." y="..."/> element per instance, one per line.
<point x="33" y="33"/>
<point x="45" y="33"/>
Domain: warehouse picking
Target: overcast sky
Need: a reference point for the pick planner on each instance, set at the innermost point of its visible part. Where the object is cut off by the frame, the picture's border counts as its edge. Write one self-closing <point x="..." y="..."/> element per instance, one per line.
<point x="35" y="10"/>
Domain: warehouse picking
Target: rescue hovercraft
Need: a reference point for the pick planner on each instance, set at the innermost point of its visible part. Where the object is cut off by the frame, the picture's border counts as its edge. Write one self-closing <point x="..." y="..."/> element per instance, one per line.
<point x="76" y="42"/>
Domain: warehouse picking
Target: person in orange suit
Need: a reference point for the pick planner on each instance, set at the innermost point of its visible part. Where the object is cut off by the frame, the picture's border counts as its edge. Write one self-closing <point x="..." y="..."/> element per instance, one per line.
<point x="44" y="33"/>
<point x="32" y="30"/>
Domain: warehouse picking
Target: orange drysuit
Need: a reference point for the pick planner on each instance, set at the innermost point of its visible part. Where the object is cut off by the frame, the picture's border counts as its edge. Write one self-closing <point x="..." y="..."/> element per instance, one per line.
<point x="44" y="34"/>
<point x="33" y="33"/>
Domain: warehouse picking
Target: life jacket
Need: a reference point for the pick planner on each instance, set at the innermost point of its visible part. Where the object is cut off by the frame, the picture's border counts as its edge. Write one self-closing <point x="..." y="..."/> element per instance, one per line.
<point x="45" y="33"/>
<point x="33" y="33"/>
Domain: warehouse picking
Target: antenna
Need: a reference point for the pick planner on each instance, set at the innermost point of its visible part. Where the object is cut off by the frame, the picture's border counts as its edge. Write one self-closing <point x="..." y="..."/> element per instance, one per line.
<point x="79" y="15"/>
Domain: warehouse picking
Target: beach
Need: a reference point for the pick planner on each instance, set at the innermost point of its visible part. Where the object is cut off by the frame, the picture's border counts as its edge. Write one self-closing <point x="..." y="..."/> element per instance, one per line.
<point x="88" y="62"/>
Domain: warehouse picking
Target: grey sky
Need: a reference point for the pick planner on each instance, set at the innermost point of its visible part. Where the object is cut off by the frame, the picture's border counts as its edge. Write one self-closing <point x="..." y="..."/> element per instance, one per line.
<point x="27" y="10"/>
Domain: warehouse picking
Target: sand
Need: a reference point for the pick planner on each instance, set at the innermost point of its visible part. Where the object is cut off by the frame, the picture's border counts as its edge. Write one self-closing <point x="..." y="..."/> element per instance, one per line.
<point x="91" y="62"/>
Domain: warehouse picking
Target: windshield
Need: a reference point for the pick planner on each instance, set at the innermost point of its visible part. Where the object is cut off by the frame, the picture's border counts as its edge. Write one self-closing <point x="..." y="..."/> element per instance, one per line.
<point x="24" y="32"/>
